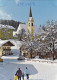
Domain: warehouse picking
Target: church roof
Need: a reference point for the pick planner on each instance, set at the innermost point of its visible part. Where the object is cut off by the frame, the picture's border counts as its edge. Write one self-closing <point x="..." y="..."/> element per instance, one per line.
<point x="22" y="26"/>
<point x="37" y="30"/>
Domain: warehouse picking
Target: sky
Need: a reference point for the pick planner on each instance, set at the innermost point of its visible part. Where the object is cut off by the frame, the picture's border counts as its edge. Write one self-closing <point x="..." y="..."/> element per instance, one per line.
<point x="18" y="10"/>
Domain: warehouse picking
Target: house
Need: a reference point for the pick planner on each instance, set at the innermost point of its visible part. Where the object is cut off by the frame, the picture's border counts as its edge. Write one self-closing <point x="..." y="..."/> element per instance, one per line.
<point x="27" y="53"/>
<point x="5" y="47"/>
<point x="6" y="32"/>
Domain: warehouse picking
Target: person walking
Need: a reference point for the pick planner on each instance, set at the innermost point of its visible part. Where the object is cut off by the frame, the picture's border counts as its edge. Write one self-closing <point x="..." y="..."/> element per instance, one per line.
<point x="23" y="75"/>
<point x="27" y="73"/>
<point x="19" y="74"/>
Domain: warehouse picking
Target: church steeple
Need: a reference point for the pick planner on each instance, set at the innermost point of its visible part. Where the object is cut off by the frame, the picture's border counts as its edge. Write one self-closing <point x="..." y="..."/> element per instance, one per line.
<point x="30" y="23"/>
<point x="30" y="15"/>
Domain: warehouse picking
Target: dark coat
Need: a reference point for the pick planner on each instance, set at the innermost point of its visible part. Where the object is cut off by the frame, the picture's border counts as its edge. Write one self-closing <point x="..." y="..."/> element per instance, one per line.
<point x="19" y="73"/>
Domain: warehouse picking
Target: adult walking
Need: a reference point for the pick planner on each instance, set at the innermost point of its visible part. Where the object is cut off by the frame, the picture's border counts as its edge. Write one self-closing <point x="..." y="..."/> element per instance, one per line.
<point x="19" y="74"/>
<point x="27" y="73"/>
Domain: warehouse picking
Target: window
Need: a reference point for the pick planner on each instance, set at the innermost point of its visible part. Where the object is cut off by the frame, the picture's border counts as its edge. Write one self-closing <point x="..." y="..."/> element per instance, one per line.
<point x="32" y="24"/>
<point x="29" y="24"/>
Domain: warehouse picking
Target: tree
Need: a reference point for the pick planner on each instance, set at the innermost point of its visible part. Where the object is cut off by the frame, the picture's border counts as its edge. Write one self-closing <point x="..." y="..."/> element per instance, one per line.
<point x="48" y="23"/>
<point x="30" y="45"/>
<point x="51" y="39"/>
<point x="22" y="34"/>
<point x="52" y="22"/>
<point x="43" y="27"/>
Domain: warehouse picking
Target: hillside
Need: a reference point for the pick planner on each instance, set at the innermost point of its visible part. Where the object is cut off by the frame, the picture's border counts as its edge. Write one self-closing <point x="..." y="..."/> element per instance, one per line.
<point x="11" y="23"/>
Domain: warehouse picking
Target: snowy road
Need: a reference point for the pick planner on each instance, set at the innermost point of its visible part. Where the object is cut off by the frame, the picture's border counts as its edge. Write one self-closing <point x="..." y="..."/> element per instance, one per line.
<point x="38" y="70"/>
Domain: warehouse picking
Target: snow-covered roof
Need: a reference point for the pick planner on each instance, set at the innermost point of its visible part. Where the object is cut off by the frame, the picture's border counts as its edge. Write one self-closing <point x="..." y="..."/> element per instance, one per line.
<point x="17" y="43"/>
<point x="6" y="26"/>
<point x="22" y="26"/>
<point x="37" y="30"/>
<point x="2" y="42"/>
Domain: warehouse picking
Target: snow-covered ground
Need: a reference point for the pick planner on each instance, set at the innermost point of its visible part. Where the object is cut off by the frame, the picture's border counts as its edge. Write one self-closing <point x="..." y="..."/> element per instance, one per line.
<point x="38" y="70"/>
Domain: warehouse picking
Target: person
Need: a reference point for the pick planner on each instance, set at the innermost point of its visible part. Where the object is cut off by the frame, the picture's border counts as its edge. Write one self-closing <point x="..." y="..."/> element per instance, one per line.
<point x="19" y="73"/>
<point x="15" y="77"/>
<point x="23" y="75"/>
<point x="27" y="73"/>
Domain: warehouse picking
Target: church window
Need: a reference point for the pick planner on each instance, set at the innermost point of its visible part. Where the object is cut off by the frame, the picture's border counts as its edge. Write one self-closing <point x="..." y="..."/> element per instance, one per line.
<point x="32" y="24"/>
<point x="29" y="24"/>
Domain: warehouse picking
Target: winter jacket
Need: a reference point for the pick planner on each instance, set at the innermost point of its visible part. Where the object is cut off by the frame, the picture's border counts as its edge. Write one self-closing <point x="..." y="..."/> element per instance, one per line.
<point x="19" y="73"/>
<point x="15" y="77"/>
<point x="27" y="71"/>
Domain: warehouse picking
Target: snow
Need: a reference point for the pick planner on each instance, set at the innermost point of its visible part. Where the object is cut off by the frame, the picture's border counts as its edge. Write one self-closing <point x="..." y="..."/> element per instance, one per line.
<point x="2" y="42"/>
<point x="15" y="34"/>
<point x="22" y="26"/>
<point x="6" y="26"/>
<point x="17" y="44"/>
<point x="37" y="30"/>
<point x="38" y="70"/>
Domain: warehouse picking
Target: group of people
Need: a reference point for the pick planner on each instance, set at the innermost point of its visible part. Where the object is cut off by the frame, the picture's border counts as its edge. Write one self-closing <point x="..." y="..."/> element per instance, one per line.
<point x="20" y="74"/>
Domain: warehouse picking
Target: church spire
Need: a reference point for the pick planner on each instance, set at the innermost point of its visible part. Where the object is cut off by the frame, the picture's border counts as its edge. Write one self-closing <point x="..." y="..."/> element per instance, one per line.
<point x="30" y="15"/>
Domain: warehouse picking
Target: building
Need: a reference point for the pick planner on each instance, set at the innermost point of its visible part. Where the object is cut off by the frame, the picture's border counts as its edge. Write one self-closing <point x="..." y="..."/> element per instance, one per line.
<point x="5" y="47"/>
<point x="6" y="32"/>
<point x="15" y="36"/>
<point x="22" y="26"/>
<point x="30" y="23"/>
<point x="30" y="28"/>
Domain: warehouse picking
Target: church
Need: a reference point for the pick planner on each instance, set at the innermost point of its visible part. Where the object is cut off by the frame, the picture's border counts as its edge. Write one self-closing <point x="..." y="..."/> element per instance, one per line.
<point x="30" y="28"/>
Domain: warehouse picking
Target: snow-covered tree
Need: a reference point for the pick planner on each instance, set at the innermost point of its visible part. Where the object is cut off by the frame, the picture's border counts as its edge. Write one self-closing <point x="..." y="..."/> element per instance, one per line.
<point x="21" y="34"/>
<point x="51" y="38"/>
<point x="48" y="23"/>
<point x="30" y="44"/>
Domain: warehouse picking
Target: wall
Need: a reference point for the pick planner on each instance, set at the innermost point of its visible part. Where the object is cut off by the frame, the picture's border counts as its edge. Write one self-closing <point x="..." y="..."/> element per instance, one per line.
<point x="6" y="34"/>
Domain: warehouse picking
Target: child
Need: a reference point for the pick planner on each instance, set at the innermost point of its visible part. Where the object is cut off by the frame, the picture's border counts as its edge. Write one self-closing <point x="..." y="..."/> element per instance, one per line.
<point x="23" y="75"/>
<point x="15" y="77"/>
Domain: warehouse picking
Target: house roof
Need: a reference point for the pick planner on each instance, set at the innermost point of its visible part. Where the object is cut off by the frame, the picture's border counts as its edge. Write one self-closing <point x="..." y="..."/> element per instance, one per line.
<point x="3" y="42"/>
<point x="6" y="26"/>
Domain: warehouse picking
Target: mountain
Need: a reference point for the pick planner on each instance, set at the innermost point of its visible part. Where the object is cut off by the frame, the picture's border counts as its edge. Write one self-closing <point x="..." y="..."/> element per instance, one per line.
<point x="13" y="23"/>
